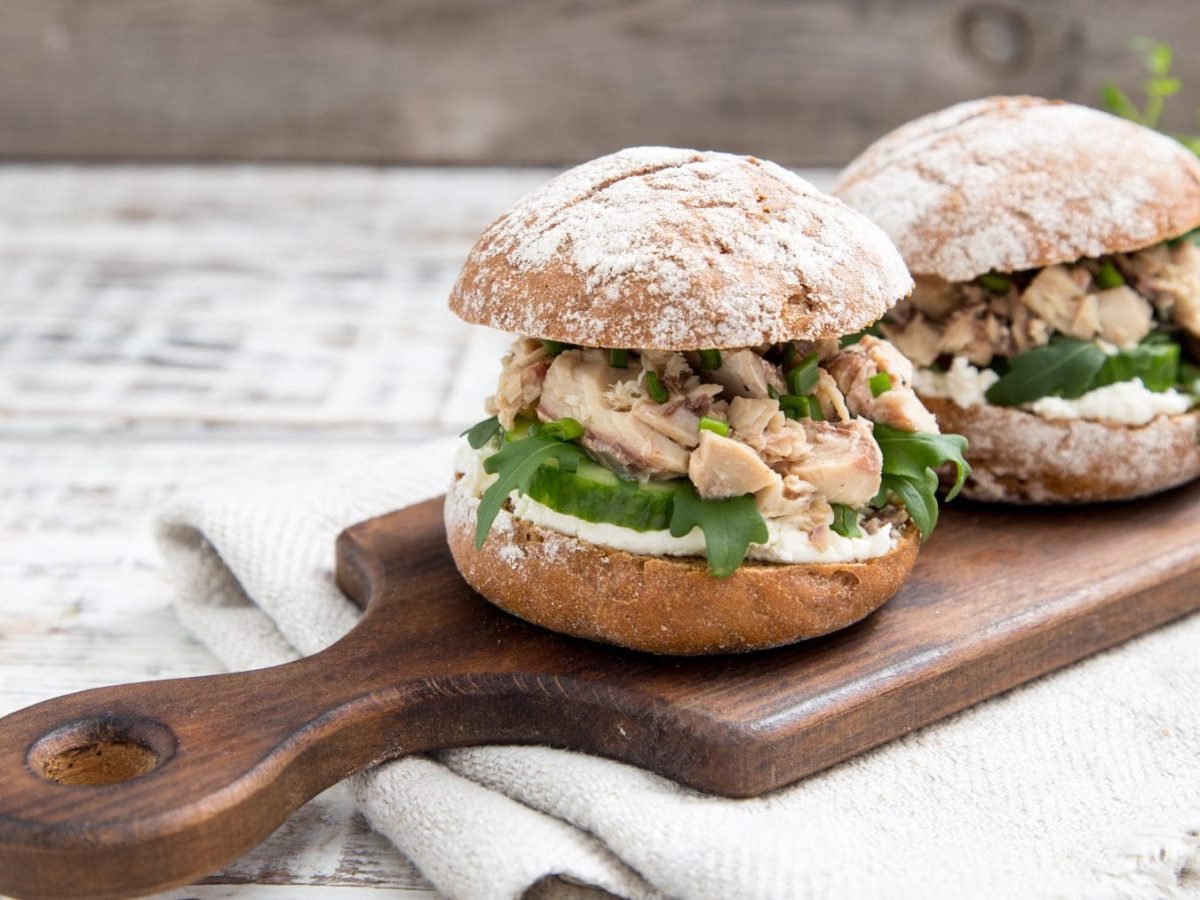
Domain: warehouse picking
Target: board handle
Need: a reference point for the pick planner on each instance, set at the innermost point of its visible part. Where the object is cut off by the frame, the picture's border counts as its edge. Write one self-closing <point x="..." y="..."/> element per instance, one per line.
<point x="134" y="788"/>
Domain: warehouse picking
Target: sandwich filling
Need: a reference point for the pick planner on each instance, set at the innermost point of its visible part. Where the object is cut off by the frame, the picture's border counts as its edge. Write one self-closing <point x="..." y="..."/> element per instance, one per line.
<point x="1112" y="339"/>
<point x="794" y="453"/>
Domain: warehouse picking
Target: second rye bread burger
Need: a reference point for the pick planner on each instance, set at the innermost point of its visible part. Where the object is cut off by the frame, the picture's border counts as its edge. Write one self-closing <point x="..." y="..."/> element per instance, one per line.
<point x="1057" y="304"/>
<point x="692" y="448"/>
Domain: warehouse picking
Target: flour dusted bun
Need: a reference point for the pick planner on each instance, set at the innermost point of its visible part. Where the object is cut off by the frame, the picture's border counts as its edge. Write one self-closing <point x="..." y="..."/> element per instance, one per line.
<point x="663" y="604"/>
<point x="1018" y="457"/>
<point x="659" y="248"/>
<point x="1012" y="183"/>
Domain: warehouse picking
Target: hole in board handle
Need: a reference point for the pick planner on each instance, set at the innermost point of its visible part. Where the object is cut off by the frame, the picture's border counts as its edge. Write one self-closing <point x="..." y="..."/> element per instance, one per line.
<point x="101" y="751"/>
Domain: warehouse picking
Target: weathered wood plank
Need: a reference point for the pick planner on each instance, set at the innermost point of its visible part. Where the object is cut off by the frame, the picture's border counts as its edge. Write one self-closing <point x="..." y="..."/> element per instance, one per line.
<point x="530" y="81"/>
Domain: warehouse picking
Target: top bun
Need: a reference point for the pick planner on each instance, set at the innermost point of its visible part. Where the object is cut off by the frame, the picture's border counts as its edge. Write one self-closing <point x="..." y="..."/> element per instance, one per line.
<point x="663" y="249"/>
<point x="1011" y="183"/>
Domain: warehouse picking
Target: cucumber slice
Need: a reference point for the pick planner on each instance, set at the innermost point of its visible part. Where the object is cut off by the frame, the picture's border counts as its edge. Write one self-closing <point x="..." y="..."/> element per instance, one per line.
<point x="595" y="494"/>
<point x="1156" y="362"/>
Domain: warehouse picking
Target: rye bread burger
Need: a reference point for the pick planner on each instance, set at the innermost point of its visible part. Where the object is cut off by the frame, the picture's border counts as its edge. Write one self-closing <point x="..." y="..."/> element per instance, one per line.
<point x="1056" y="312"/>
<point x="692" y="448"/>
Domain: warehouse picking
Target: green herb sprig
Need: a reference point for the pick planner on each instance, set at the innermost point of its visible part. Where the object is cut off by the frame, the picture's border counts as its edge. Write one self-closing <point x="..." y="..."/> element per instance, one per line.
<point x="730" y="526"/>
<point x="910" y="463"/>
<point x="1158" y="86"/>
<point x="1065" y="367"/>
<point x="515" y="464"/>
<point x="845" y="521"/>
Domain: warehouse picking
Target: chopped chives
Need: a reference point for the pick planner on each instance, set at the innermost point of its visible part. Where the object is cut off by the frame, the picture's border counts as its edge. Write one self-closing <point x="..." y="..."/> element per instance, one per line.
<point x="803" y="378"/>
<point x="554" y="347"/>
<point x="772" y="393"/>
<point x="710" y="360"/>
<point x="789" y="355"/>
<point x="655" y="387"/>
<point x="994" y="282"/>
<point x="814" y="409"/>
<point x="618" y="359"/>
<point x="566" y="429"/>
<point x="714" y="425"/>
<point x="880" y="383"/>
<point x="1109" y="276"/>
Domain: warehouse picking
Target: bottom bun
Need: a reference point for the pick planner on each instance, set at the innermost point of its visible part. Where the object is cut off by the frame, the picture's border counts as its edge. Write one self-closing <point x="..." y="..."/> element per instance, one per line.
<point x="1018" y="457"/>
<point x="663" y="604"/>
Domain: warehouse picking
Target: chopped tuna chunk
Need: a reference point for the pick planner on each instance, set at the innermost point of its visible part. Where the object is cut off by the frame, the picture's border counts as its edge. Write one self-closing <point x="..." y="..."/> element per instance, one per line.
<point x="1058" y="295"/>
<point x="844" y="463"/>
<point x="523" y="369"/>
<point x="722" y="467"/>
<point x="743" y="373"/>
<point x="898" y="406"/>
<point x="579" y="384"/>
<point x="1124" y="316"/>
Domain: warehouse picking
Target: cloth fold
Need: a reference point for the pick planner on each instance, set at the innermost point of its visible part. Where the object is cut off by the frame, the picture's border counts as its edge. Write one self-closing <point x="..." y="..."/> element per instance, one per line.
<point x="1085" y="783"/>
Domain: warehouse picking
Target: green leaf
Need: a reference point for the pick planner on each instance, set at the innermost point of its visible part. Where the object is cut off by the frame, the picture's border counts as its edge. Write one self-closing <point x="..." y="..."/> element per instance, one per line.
<point x="919" y="496"/>
<point x="1064" y="368"/>
<point x="1154" y="361"/>
<point x="482" y="432"/>
<point x="845" y="521"/>
<point x="515" y="464"/>
<point x="730" y="526"/>
<point x="1117" y="102"/>
<point x="915" y="454"/>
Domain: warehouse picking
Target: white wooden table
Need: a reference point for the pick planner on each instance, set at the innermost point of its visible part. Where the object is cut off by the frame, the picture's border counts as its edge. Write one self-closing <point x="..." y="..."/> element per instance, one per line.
<point x="165" y="327"/>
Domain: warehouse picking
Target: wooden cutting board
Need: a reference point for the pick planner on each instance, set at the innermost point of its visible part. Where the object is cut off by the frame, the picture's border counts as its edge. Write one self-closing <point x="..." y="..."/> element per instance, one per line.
<point x="136" y="788"/>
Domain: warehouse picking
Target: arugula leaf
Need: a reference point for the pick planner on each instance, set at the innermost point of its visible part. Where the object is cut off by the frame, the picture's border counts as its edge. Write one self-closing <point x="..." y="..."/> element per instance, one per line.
<point x="515" y="463"/>
<point x="1156" y="362"/>
<point x="1065" y="368"/>
<point x="482" y="432"/>
<point x="910" y="463"/>
<point x="729" y="527"/>
<point x="845" y="521"/>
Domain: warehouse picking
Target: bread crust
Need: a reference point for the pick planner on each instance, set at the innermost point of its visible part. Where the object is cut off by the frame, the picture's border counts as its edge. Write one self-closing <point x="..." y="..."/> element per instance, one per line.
<point x="665" y="605"/>
<point x="1019" y="457"/>
<point x="662" y="248"/>
<point x="1012" y="183"/>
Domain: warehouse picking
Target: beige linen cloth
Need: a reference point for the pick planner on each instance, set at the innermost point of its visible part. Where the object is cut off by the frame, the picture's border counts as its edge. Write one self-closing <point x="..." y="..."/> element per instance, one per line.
<point x="1085" y="783"/>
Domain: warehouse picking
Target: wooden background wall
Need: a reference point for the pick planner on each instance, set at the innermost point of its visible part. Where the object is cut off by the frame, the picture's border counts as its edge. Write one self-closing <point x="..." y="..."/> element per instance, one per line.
<point x="539" y="81"/>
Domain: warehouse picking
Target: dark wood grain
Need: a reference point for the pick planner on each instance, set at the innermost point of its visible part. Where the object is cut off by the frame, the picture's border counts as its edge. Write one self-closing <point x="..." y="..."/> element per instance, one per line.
<point x="540" y="81"/>
<point x="998" y="597"/>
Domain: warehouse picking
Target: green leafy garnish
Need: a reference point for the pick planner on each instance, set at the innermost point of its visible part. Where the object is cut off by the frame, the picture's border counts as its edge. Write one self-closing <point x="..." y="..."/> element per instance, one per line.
<point x="655" y="388"/>
<point x="716" y="426"/>
<point x="515" y="464"/>
<point x="710" y="360"/>
<point x="845" y="521"/>
<point x="880" y="383"/>
<point x="910" y="463"/>
<point x="730" y="526"/>
<point x="1109" y="276"/>
<point x="1065" y="368"/>
<point x="1154" y="361"/>
<point x="482" y="432"/>
<point x="618" y="359"/>
<point x="1158" y="86"/>
<point x="994" y="282"/>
